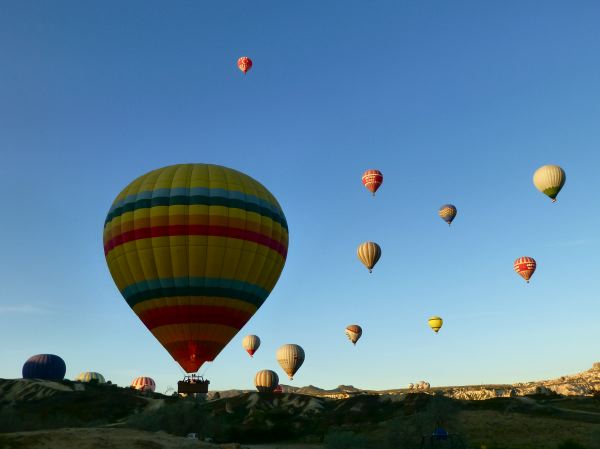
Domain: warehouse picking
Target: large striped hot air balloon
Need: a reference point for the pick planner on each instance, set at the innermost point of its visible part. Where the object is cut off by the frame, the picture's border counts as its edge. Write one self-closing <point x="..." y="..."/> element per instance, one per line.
<point x="195" y="250"/>
<point x="251" y="344"/>
<point x="244" y="64"/>
<point x="447" y="213"/>
<point x="353" y="332"/>
<point x="369" y="253"/>
<point x="44" y="366"/>
<point x="549" y="179"/>
<point x="143" y="383"/>
<point x="266" y="381"/>
<point x="372" y="180"/>
<point x="290" y="357"/>
<point x="525" y="266"/>
<point x="90" y="376"/>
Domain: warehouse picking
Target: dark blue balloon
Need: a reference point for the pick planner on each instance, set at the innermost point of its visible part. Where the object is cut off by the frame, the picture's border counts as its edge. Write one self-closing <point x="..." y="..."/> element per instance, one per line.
<point x="44" y="366"/>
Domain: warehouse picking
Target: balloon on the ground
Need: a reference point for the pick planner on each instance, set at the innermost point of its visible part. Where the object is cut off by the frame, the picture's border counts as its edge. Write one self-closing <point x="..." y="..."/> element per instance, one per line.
<point x="195" y="250"/>
<point x="435" y="323"/>
<point x="525" y="267"/>
<point x="372" y="180"/>
<point x="266" y="381"/>
<point x="369" y="253"/>
<point x="244" y="64"/>
<point x="353" y="332"/>
<point x="290" y="357"/>
<point x="251" y="344"/>
<point x="447" y="213"/>
<point x="143" y="383"/>
<point x="549" y="179"/>
<point x="278" y="389"/>
<point x="90" y="376"/>
<point x="44" y="366"/>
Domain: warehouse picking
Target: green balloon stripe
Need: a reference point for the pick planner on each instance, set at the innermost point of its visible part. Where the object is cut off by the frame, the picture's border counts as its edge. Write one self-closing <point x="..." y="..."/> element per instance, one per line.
<point x="202" y="200"/>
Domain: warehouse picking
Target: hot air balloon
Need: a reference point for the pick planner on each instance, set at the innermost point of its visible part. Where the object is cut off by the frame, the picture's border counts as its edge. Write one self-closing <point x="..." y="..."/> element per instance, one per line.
<point x="447" y="212"/>
<point x="244" y="64"/>
<point x="369" y="253"/>
<point x="195" y="250"/>
<point x="372" y="180"/>
<point x="143" y="384"/>
<point x="290" y="358"/>
<point x="278" y="389"/>
<point x="549" y="179"/>
<point x="353" y="332"/>
<point x="525" y="266"/>
<point x="251" y="344"/>
<point x="91" y="377"/>
<point x="435" y="322"/>
<point x="266" y="381"/>
<point x="44" y="366"/>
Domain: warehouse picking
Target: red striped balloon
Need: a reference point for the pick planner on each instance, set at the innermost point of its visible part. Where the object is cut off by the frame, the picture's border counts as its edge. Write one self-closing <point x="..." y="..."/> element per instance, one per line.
<point x="525" y="267"/>
<point x="372" y="180"/>
<point x="143" y="384"/>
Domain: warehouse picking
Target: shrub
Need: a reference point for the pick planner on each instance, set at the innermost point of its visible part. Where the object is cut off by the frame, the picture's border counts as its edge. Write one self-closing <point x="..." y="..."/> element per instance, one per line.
<point x="570" y="444"/>
<point x="345" y="440"/>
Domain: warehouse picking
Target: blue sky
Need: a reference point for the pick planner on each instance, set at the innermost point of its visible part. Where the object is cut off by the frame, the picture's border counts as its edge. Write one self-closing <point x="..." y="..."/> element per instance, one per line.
<point x="453" y="103"/>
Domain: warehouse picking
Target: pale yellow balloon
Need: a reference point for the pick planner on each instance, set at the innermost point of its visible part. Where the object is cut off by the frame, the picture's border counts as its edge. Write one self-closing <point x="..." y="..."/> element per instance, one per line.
<point x="251" y="344"/>
<point x="290" y="357"/>
<point x="369" y="253"/>
<point x="266" y="380"/>
<point x="549" y="179"/>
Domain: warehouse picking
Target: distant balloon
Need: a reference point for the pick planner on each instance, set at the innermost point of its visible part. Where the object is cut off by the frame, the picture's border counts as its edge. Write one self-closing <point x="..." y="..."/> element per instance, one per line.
<point x="195" y="250"/>
<point x="266" y="381"/>
<point x="369" y="253"/>
<point x="44" y="366"/>
<point x="144" y="384"/>
<point x="90" y="376"/>
<point x="244" y="64"/>
<point x="353" y="332"/>
<point x="549" y="179"/>
<point x="290" y="358"/>
<point x="525" y="266"/>
<point x="278" y="389"/>
<point x="435" y="322"/>
<point x="251" y="344"/>
<point x="447" y="212"/>
<point x="372" y="180"/>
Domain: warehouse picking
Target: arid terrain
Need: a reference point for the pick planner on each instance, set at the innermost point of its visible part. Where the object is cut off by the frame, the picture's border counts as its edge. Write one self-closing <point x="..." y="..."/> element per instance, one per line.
<point x="536" y="415"/>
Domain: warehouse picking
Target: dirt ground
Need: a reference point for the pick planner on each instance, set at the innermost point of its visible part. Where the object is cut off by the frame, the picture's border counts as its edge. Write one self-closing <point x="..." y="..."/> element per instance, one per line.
<point x="111" y="438"/>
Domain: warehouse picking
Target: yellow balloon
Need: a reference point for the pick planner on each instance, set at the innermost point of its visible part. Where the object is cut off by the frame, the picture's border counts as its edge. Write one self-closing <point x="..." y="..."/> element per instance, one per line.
<point x="435" y="322"/>
<point x="549" y="179"/>
<point x="369" y="253"/>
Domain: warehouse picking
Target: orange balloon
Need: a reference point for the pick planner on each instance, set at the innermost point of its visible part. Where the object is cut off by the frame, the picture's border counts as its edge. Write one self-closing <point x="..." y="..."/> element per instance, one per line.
<point x="525" y="266"/>
<point x="245" y="64"/>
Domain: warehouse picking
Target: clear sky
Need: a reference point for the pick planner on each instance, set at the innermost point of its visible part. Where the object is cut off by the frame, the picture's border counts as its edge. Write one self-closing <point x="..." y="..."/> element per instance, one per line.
<point x="455" y="103"/>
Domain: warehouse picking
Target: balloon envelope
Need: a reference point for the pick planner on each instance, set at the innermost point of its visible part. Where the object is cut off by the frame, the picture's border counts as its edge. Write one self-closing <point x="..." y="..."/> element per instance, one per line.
<point x="251" y="344"/>
<point x="525" y="267"/>
<point x="44" y="366"/>
<point x="435" y="323"/>
<point x="143" y="383"/>
<point x="369" y="253"/>
<point x="290" y="357"/>
<point x="266" y="381"/>
<point x="447" y="213"/>
<point x="244" y="64"/>
<point x="195" y="250"/>
<point x="353" y="332"/>
<point x="90" y="376"/>
<point x="372" y="180"/>
<point x="549" y="179"/>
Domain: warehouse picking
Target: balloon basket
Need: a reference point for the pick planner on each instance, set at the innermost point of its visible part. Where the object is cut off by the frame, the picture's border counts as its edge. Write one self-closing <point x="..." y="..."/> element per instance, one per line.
<point x="192" y="385"/>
